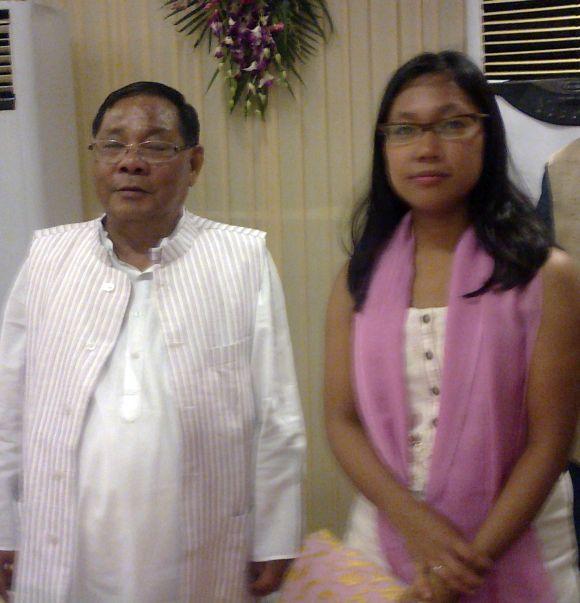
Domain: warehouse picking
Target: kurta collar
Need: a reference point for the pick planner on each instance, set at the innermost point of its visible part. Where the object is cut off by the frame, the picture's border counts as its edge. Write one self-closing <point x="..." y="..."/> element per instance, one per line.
<point x="169" y="249"/>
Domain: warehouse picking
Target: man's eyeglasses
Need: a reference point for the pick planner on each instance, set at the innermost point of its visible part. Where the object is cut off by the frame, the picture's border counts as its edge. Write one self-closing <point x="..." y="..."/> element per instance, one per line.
<point x="450" y="128"/>
<point x="151" y="151"/>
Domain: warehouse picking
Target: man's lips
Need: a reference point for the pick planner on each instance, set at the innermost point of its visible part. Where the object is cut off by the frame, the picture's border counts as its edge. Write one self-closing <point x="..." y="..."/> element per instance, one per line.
<point x="131" y="190"/>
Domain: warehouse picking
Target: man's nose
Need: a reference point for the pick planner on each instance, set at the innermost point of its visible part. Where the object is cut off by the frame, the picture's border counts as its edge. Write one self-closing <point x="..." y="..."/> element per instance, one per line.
<point x="131" y="161"/>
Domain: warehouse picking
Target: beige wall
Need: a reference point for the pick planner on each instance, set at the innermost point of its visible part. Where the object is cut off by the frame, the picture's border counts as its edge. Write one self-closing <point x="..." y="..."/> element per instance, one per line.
<point x="296" y="175"/>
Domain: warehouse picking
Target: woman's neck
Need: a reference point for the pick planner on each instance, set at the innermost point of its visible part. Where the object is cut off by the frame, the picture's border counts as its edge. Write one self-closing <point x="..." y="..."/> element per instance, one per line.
<point x="438" y="232"/>
<point x="435" y="242"/>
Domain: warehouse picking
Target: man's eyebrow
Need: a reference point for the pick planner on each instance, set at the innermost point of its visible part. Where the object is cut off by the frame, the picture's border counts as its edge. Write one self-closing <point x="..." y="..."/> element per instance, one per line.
<point x="116" y="131"/>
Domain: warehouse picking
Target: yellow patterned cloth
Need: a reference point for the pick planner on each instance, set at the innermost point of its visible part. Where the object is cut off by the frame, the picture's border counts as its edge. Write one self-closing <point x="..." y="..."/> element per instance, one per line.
<point x="326" y="570"/>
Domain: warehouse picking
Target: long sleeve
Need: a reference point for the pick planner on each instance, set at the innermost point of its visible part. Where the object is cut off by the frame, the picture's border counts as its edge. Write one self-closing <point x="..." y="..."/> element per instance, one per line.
<point x="12" y="369"/>
<point x="280" y="437"/>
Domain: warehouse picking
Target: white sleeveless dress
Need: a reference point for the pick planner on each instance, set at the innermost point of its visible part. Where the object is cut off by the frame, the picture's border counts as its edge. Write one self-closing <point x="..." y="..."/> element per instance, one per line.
<point x="424" y="337"/>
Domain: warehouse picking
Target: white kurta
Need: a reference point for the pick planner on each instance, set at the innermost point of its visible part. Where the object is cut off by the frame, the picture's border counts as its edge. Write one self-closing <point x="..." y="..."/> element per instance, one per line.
<point x="130" y="544"/>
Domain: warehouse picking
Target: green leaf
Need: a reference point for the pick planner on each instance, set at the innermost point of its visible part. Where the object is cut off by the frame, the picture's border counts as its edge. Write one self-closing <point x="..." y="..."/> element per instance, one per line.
<point x="215" y="74"/>
<point x="191" y="14"/>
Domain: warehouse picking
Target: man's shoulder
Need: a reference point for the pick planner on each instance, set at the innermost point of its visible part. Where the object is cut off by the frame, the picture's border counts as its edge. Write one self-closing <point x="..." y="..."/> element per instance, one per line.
<point x="73" y="229"/>
<point x="211" y="227"/>
<point x="569" y="153"/>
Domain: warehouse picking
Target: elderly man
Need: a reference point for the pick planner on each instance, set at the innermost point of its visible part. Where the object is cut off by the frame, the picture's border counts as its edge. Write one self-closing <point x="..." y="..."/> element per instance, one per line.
<point x="151" y="437"/>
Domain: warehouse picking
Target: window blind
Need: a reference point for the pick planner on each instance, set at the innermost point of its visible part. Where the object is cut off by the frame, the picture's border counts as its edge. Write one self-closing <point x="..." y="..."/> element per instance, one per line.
<point x="531" y="39"/>
<point x="7" y="100"/>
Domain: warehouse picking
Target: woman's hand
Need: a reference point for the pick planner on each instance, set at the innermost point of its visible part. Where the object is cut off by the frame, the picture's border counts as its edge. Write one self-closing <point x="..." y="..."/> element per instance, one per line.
<point x="428" y="587"/>
<point x="440" y="550"/>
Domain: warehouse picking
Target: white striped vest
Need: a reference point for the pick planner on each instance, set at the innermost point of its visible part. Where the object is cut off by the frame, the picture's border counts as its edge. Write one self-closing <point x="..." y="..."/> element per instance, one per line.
<point x="206" y="290"/>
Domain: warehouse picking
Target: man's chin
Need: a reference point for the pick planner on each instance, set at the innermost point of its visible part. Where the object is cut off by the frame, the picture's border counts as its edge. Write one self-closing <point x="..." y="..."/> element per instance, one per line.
<point x="130" y="212"/>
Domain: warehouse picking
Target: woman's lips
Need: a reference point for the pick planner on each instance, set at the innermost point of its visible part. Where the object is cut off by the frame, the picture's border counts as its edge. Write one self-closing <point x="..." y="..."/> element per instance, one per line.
<point x="429" y="178"/>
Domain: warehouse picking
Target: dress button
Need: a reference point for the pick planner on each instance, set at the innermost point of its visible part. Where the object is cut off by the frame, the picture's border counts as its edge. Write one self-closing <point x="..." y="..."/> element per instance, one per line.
<point x="435" y="390"/>
<point x="90" y="346"/>
<point x="429" y="355"/>
<point x="58" y="476"/>
<point x="108" y="287"/>
<point x="414" y="441"/>
<point x="426" y="318"/>
<point x="53" y="540"/>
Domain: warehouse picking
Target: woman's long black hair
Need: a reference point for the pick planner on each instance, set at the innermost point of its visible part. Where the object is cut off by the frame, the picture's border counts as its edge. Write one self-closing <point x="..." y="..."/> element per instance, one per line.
<point x="503" y="218"/>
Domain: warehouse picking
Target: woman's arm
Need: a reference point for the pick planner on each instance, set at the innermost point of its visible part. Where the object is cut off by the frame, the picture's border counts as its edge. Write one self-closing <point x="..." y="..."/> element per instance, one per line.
<point x="552" y="402"/>
<point x="431" y="539"/>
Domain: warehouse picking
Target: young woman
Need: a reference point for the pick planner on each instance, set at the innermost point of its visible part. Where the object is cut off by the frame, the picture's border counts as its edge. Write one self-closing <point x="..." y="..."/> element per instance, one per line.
<point x="452" y="357"/>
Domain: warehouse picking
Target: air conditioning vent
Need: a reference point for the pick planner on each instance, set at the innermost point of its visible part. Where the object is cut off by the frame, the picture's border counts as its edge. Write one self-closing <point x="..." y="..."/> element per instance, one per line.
<point x="532" y="56"/>
<point x="7" y="100"/>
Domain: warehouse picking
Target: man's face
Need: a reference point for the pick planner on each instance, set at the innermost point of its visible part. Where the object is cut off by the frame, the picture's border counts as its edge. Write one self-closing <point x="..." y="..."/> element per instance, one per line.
<point x="133" y="190"/>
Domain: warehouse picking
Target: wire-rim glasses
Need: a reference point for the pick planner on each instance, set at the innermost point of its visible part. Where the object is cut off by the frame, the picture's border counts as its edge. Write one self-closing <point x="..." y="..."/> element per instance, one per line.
<point x="151" y="151"/>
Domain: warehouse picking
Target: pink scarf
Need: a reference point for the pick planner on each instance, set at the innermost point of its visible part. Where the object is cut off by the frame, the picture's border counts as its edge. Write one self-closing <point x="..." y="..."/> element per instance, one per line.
<point x="482" y="421"/>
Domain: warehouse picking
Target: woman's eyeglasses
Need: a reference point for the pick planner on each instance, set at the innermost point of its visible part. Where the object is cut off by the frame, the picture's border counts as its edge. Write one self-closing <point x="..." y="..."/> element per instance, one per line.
<point x="450" y="128"/>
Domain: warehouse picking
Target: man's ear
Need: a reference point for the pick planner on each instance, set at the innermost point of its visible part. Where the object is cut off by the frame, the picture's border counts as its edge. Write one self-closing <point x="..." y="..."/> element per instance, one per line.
<point x="195" y="163"/>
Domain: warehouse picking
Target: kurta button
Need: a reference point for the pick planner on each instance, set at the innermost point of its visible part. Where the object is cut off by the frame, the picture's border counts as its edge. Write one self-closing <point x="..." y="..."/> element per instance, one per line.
<point x="108" y="287"/>
<point x="435" y="390"/>
<point x="429" y="355"/>
<point x="426" y="318"/>
<point x="58" y="476"/>
<point x="91" y="346"/>
<point x="53" y="540"/>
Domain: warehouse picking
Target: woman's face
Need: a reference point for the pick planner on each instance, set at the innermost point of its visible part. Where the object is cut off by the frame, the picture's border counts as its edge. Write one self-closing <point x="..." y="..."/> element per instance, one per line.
<point x="433" y="175"/>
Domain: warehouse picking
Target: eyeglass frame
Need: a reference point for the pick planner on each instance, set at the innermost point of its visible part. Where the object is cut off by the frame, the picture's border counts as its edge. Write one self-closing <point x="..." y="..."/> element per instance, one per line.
<point x="428" y="127"/>
<point x="128" y="147"/>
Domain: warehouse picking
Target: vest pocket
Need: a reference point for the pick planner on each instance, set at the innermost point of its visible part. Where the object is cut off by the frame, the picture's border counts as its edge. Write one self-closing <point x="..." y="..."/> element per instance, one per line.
<point x="236" y="352"/>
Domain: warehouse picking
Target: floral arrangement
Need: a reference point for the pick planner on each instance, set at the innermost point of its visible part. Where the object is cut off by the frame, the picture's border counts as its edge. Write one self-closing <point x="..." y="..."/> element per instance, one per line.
<point x="257" y="42"/>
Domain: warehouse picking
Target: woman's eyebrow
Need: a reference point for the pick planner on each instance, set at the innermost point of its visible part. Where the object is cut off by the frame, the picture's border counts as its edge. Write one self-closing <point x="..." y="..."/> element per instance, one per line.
<point x="442" y="110"/>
